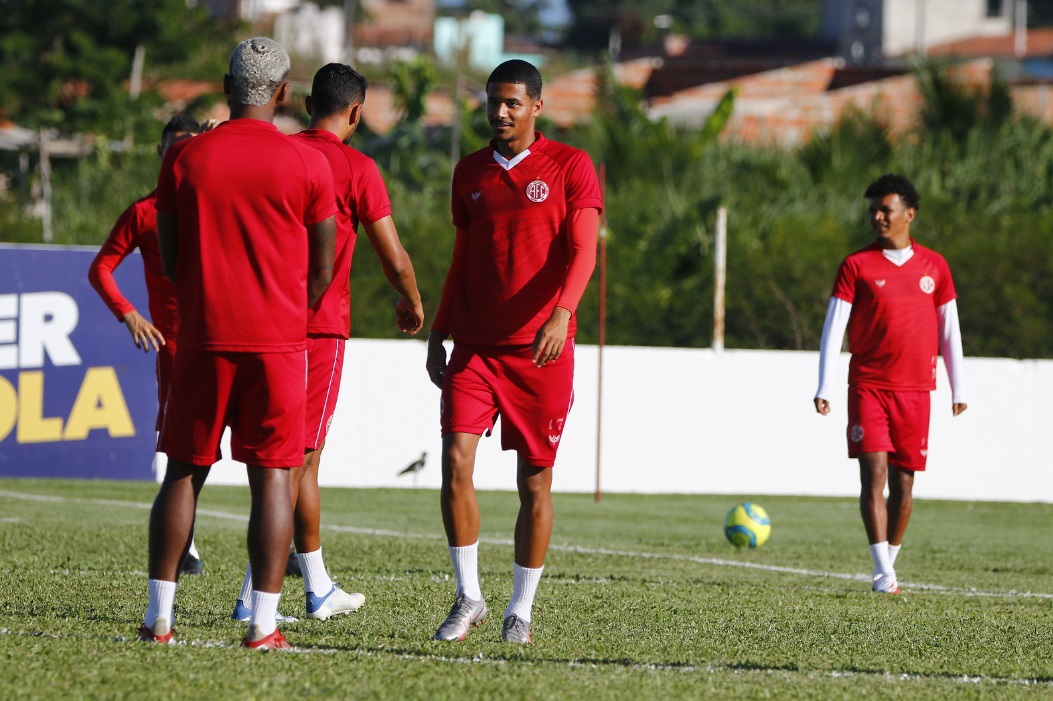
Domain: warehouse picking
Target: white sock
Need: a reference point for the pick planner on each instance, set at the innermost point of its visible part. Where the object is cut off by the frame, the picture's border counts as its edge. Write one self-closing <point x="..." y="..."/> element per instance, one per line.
<point x="879" y="553"/>
<point x="465" y="561"/>
<point x="193" y="549"/>
<point x="524" y="586"/>
<point x="315" y="578"/>
<point x="161" y="602"/>
<point x="264" y="612"/>
<point x="245" y="596"/>
<point x="893" y="551"/>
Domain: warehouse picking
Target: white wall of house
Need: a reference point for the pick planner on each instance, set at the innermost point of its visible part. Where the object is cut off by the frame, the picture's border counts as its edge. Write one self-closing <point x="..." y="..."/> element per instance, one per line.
<point x="695" y="421"/>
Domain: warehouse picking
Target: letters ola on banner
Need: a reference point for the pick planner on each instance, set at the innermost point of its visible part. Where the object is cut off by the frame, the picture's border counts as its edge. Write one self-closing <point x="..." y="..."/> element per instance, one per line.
<point x="77" y="398"/>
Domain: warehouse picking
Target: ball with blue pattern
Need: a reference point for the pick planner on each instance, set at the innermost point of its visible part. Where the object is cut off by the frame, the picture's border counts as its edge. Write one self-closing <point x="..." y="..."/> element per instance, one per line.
<point x="747" y="525"/>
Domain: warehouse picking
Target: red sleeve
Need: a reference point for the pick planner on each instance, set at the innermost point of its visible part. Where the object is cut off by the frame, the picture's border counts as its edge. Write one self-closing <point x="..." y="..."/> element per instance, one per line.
<point x="583" y="187"/>
<point x="451" y="288"/>
<point x="372" y="201"/>
<point x="321" y="203"/>
<point x="166" y="180"/>
<point x="581" y="242"/>
<point x="845" y="282"/>
<point x="945" y="291"/>
<point x="123" y="239"/>
<point x="460" y="212"/>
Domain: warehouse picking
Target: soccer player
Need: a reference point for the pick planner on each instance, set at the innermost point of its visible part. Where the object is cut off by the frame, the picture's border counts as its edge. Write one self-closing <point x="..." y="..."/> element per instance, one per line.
<point x="526" y="212"/>
<point x="335" y="105"/>
<point x="137" y="228"/>
<point x="245" y="218"/>
<point x="896" y="298"/>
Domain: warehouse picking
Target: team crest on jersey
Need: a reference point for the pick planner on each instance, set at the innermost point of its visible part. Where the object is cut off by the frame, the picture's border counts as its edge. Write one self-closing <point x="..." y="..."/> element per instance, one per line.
<point x="856" y="434"/>
<point x="553" y="439"/>
<point x="880" y="283"/>
<point x="476" y="195"/>
<point x="537" y="191"/>
<point x="928" y="285"/>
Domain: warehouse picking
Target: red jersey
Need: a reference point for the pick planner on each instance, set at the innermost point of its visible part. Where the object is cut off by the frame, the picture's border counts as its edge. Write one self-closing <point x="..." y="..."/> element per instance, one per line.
<point x="136" y="228"/>
<point x="243" y="195"/>
<point x="892" y="331"/>
<point x="518" y="243"/>
<point x="361" y="196"/>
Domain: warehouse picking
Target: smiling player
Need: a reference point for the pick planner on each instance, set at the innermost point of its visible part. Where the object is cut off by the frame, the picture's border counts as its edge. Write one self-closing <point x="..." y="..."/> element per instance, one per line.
<point x="526" y="211"/>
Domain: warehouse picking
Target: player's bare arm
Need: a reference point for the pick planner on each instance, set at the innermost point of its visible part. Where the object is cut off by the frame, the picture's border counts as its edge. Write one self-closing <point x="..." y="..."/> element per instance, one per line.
<point x="398" y="269"/>
<point x="144" y="334"/>
<point x="550" y="338"/>
<point x="168" y="241"/>
<point x="321" y="252"/>
<point x="436" y="362"/>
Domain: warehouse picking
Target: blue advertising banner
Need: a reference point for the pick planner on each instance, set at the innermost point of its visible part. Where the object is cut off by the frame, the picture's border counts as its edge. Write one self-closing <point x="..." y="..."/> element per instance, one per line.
<point x="77" y="398"/>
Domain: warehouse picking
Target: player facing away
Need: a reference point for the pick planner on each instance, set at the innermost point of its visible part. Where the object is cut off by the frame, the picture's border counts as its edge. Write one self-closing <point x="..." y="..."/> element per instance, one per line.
<point x="335" y="105"/>
<point x="526" y="212"/>
<point x="137" y="228"/>
<point x="245" y="218"/>
<point x="896" y="298"/>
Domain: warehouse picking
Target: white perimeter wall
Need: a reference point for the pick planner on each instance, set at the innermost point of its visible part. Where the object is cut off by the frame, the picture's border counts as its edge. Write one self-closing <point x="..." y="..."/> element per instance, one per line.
<point x="693" y="421"/>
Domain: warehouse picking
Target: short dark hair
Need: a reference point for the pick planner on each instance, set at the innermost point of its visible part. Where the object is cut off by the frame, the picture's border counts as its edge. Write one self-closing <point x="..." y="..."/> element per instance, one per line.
<point x="335" y="88"/>
<point x="181" y="122"/>
<point x="894" y="184"/>
<point x="518" y="71"/>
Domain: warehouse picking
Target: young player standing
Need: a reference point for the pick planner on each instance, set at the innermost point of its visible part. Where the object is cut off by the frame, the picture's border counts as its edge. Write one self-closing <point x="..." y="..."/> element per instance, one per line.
<point x="526" y="210"/>
<point x="897" y="300"/>
<point x="137" y="228"/>
<point x="335" y="105"/>
<point x="245" y="218"/>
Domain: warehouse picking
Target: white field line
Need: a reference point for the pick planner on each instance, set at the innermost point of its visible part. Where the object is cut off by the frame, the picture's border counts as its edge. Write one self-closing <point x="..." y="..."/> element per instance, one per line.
<point x="632" y="554"/>
<point x="483" y="660"/>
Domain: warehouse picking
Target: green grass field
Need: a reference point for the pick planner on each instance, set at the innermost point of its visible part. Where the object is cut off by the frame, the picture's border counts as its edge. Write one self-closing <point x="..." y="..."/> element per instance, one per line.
<point x="642" y="598"/>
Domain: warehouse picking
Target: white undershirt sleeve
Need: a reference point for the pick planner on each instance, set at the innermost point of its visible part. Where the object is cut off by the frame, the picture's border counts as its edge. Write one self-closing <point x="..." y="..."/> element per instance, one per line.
<point x="951" y="349"/>
<point x="837" y="314"/>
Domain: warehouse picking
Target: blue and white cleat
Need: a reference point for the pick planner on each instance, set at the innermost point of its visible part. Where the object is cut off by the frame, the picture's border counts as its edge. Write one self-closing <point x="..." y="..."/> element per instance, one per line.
<point x="243" y="613"/>
<point x="336" y="602"/>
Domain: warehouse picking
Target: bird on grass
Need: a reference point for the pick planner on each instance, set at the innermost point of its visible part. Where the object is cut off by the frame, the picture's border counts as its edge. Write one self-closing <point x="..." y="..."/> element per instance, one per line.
<point x="415" y="466"/>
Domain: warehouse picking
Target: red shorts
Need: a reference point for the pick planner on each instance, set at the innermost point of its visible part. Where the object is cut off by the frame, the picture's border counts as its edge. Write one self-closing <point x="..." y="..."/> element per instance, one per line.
<point x="889" y="421"/>
<point x="325" y="366"/>
<point x="259" y="395"/>
<point x="163" y="371"/>
<point x="484" y="382"/>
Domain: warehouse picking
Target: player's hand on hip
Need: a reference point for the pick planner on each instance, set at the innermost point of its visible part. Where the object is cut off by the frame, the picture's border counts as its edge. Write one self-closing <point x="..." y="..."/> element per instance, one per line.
<point x="409" y="316"/>
<point x="550" y="338"/>
<point x="822" y="406"/>
<point x="958" y="408"/>
<point x="436" y="362"/>
<point x="143" y="332"/>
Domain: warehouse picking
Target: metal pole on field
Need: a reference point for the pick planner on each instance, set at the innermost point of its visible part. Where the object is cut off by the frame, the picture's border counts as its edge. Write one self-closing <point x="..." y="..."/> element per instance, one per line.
<point x="603" y="323"/>
<point x="720" y="270"/>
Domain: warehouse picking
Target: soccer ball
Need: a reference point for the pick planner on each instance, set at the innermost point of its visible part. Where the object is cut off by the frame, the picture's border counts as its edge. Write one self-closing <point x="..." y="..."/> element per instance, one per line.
<point x="747" y="525"/>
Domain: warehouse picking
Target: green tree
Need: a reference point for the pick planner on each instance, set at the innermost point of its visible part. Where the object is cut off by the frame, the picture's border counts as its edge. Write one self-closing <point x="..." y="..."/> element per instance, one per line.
<point x="66" y="62"/>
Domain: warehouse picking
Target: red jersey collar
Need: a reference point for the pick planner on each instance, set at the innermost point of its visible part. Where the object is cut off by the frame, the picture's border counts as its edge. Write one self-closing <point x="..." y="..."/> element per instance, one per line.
<point x="248" y="123"/>
<point x="324" y="134"/>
